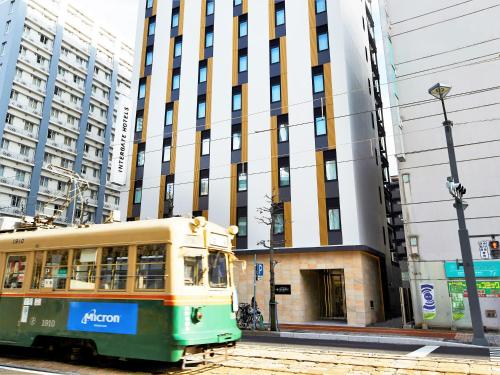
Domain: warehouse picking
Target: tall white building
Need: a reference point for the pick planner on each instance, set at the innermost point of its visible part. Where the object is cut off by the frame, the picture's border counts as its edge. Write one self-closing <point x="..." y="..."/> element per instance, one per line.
<point x="239" y="100"/>
<point x="62" y="80"/>
<point x="456" y="44"/>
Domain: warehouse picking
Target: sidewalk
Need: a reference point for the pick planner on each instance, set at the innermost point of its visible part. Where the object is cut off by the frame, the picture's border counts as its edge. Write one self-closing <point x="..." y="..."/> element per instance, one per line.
<point x="375" y="334"/>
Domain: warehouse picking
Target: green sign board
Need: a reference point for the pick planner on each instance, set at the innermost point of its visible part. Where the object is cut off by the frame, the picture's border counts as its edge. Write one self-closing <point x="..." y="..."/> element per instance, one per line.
<point x="484" y="288"/>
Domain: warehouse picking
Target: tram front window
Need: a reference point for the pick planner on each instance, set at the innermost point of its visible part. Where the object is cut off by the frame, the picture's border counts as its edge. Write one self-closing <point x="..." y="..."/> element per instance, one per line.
<point x="193" y="271"/>
<point x="14" y="272"/>
<point x="84" y="269"/>
<point x="217" y="269"/>
<point x="150" y="267"/>
<point x="56" y="270"/>
<point x="114" y="266"/>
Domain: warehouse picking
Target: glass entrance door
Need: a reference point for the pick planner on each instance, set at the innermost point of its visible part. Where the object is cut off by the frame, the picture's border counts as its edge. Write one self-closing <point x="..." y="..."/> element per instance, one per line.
<point x="332" y="294"/>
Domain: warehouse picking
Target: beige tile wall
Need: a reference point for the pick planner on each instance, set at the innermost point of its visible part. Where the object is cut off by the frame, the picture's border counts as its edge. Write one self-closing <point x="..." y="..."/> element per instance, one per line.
<point x="362" y="285"/>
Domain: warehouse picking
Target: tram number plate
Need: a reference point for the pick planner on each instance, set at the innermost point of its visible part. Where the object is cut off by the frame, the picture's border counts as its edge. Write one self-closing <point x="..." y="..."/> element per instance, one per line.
<point x="48" y="323"/>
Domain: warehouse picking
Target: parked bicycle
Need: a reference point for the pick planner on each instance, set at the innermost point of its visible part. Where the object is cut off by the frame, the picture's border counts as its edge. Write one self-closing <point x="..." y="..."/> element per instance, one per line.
<point x="245" y="317"/>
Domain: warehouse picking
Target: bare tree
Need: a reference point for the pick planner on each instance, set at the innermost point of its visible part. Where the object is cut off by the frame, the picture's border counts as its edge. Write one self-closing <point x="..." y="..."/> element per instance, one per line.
<point x="268" y="216"/>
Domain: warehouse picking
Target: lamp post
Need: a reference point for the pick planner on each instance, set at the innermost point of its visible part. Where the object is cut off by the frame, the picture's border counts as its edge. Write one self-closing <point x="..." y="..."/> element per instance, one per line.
<point x="439" y="91"/>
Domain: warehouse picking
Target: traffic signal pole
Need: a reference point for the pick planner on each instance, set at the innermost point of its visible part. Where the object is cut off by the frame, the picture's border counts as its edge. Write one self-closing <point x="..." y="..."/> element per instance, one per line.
<point x="465" y="248"/>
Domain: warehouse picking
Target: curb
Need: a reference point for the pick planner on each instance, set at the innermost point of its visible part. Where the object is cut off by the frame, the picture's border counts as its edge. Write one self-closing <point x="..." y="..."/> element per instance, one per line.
<point x="398" y="340"/>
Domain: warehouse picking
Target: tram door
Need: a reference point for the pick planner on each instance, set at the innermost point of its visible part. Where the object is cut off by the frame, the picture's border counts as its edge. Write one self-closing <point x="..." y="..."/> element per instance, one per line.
<point x="332" y="294"/>
<point x="11" y="310"/>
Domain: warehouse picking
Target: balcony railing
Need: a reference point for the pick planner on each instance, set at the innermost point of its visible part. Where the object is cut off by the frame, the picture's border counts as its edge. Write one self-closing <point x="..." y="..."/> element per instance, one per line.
<point x="17" y="211"/>
<point x="16" y="156"/>
<point x="15" y="183"/>
<point x="17" y="130"/>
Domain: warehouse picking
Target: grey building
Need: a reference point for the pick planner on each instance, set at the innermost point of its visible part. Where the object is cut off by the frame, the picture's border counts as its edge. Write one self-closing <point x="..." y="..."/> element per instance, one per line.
<point x="62" y="78"/>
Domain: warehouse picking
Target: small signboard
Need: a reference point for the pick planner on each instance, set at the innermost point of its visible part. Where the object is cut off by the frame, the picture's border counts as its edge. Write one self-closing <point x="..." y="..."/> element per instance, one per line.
<point x="484" y="249"/>
<point x="259" y="271"/>
<point x="283" y="289"/>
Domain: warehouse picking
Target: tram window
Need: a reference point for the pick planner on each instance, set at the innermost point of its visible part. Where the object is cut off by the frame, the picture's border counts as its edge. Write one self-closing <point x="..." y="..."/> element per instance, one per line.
<point x="84" y="269"/>
<point x="37" y="270"/>
<point x="14" y="272"/>
<point x="56" y="270"/>
<point x="217" y="270"/>
<point x="114" y="266"/>
<point x="193" y="271"/>
<point x="150" y="267"/>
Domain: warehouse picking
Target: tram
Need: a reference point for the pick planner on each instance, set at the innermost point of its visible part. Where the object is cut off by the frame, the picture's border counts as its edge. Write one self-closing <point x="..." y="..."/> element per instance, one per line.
<point x="154" y="290"/>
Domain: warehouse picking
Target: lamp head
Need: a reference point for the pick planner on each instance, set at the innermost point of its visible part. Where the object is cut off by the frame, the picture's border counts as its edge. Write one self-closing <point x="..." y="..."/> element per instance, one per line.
<point x="439" y="90"/>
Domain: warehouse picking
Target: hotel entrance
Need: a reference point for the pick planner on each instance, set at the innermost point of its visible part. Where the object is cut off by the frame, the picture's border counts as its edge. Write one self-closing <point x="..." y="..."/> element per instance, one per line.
<point x="332" y="295"/>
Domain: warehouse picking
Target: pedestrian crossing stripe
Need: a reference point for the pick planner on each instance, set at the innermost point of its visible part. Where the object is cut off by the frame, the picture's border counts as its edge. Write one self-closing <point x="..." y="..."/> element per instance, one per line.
<point x="495" y="354"/>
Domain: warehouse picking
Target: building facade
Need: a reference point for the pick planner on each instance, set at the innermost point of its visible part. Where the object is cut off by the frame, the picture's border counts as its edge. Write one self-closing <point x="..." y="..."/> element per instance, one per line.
<point x="60" y="93"/>
<point x="453" y="44"/>
<point x="243" y="103"/>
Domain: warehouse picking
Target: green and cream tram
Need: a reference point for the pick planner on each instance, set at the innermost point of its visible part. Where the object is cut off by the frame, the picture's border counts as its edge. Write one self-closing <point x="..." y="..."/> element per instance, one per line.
<point x="154" y="289"/>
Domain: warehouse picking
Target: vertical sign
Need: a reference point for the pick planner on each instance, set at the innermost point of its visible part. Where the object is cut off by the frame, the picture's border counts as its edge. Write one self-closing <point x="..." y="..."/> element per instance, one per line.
<point x="484" y="249"/>
<point x="428" y="301"/>
<point x="121" y="145"/>
<point x="259" y="271"/>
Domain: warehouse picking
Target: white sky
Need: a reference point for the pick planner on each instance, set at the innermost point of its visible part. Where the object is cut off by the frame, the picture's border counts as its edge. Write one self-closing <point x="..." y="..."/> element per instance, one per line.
<point x="119" y="16"/>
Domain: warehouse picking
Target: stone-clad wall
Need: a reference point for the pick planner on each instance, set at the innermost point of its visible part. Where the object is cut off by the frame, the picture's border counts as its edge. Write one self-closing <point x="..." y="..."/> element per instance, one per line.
<point x="362" y="285"/>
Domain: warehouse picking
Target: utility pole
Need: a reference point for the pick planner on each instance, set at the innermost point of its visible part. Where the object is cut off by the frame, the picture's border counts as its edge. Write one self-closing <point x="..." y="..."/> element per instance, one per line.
<point x="440" y="91"/>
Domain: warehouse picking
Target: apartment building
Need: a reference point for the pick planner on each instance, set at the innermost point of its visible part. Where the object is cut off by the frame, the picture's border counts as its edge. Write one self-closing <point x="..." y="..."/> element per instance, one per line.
<point x="457" y="44"/>
<point x="242" y="100"/>
<point x="63" y="79"/>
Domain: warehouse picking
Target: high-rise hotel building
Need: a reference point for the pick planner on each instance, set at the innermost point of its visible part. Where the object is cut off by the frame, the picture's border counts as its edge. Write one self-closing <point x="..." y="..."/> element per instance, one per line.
<point x="239" y="100"/>
<point x="62" y="79"/>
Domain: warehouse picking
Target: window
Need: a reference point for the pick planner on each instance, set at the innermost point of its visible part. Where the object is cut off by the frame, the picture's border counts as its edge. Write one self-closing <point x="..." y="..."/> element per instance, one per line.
<point x="149" y="56"/>
<point x="14" y="272"/>
<point x="56" y="269"/>
<point x="152" y="26"/>
<point x="236" y="99"/>
<point x="149" y="4"/>
<point x="114" y="266"/>
<point x="217" y="269"/>
<point x="236" y="2"/>
<point x="175" y="17"/>
<point x="209" y="37"/>
<point x="279" y="223"/>
<point x="333" y="219"/>
<point x="137" y="193"/>
<point x="11" y="6"/>
<point x="169" y="191"/>
<point x="243" y="27"/>
<point x="322" y="40"/>
<point x="242" y="223"/>
<point x="150" y="267"/>
<point x="203" y="186"/>
<point x="7" y="27"/>
<point x="242" y="181"/>
<point x="139" y="122"/>
<point x="202" y="72"/>
<point x="141" y="154"/>
<point x="142" y="89"/>
<point x="284" y="172"/>
<point x="275" y="53"/>
<point x="20" y="175"/>
<point x="83" y="271"/>
<point x="193" y="270"/>
<point x="166" y="150"/>
<point x="2" y="48"/>
<point x="283" y="132"/>
<point x="242" y="61"/>
<point x="178" y="47"/>
<point x="236" y="138"/>
<point x="5" y="144"/>
<point x="201" y="108"/>
<point x="44" y="181"/>
<point x="176" y="79"/>
<point x="205" y="143"/>
<point x="319" y="125"/>
<point x="169" y="115"/>
<point x="279" y="14"/>
<point x="318" y="84"/>
<point x="330" y="170"/>
<point x="210" y="7"/>
<point x="275" y="92"/>
<point x="15" y="201"/>
<point x="320" y="6"/>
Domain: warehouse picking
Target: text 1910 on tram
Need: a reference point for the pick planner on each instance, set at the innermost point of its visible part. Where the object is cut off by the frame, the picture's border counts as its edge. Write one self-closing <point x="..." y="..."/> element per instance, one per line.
<point x="155" y="289"/>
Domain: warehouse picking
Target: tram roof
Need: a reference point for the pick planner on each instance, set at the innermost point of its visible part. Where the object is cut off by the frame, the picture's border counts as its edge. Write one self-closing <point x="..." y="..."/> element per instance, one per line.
<point x="97" y="235"/>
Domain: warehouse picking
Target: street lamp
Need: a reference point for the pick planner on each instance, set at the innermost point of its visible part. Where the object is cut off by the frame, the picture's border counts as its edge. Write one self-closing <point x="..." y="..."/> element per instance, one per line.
<point x="440" y="91"/>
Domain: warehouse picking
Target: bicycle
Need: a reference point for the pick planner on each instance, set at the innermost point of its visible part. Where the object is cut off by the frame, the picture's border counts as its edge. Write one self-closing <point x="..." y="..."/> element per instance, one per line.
<point x="245" y="316"/>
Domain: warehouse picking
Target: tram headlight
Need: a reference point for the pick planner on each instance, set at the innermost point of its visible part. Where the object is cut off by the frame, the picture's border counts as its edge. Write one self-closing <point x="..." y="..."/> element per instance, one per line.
<point x="200" y="221"/>
<point x="233" y="230"/>
<point x="234" y="300"/>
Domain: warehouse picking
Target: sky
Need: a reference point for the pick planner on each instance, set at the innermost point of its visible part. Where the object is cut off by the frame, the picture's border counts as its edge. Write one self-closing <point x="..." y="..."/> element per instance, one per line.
<point x="119" y="16"/>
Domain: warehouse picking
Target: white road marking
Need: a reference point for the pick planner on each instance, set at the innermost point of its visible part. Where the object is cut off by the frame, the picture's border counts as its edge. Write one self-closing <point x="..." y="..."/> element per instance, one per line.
<point x="424" y="351"/>
<point x="26" y="371"/>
